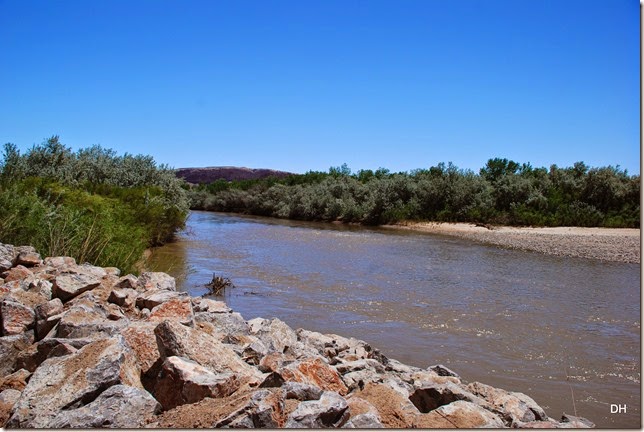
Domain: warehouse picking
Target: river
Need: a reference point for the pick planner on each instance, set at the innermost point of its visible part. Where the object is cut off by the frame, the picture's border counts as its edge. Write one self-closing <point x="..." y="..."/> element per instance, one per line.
<point x="565" y="331"/>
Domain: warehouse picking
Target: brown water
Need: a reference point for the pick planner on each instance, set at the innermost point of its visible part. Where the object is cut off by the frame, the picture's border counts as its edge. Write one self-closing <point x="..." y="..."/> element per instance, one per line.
<point x="516" y="320"/>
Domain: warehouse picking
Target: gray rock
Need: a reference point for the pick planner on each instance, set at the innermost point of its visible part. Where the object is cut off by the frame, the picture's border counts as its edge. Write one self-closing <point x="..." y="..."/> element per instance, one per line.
<point x="364" y="421"/>
<point x="152" y="298"/>
<point x="28" y="259"/>
<point x="182" y="381"/>
<point x="462" y="414"/>
<point x="263" y="410"/>
<point x="301" y="391"/>
<point x="15" y="318"/>
<point x="174" y="339"/>
<point x="10" y="396"/>
<point x="43" y="313"/>
<point x="207" y="305"/>
<point x="119" y="406"/>
<point x="42" y="287"/>
<point x="128" y="281"/>
<point x="33" y="356"/>
<point x="230" y="325"/>
<point x="82" y="322"/>
<point x="69" y="285"/>
<point x="72" y="381"/>
<point x="331" y="410"/>
<point x="514" y="407"/>
<point x="156" y="281"/>
<point x="7" y="256"/>
<point x="275" y="334"/>
<point x="60" y="262"/>
<point x="124" y="297"/>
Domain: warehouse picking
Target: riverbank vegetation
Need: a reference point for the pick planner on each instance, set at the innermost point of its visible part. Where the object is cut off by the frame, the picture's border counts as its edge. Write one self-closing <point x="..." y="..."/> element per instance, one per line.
<point x="91" y="204"/>
<point x="502" y="192"/>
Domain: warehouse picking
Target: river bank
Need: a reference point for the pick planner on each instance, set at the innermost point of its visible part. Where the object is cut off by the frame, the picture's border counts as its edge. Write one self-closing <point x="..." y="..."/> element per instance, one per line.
<point x="80" y="342"/>
<point x="604" y="244"/>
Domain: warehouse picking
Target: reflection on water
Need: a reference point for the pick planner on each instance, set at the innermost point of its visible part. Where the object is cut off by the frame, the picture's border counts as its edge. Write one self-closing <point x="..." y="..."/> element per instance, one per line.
<point x="517" y="320"/>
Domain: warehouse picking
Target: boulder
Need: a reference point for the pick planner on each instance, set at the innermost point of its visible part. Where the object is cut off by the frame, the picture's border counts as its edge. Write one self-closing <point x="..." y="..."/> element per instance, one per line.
<point x="331" y="410"/>
<point x="178" y="309"/>
<point x="7" y="257"/>
<point x="230" y="325"/>
<point x="69" y="285"/>
<point x="182" y="381"/>
<point x="152" y="298"/>
<point x="128" y="281"/>
<point x="15" y="318"/>
<point x="120" y="406"/>
<point x="17" y="273"/>
<point x="459" y="414"/>
<point x="112" y="271"/>
<point x="264" y="409"/>
<point x="31" y="357"/>
<point x="89" y="270"/>
<point x="60" y="262"/>
<point x="200" y="304"/>
<point x="314" y="371"/>
<point x="73" y="381"/>
<point x="514" y="407"/>
<point x="83" y="322"/>
<point x="364" y="421"/>
<point x="174" y="339"/>
<point x="10" y="347"/>
<point x="123" y="297"/>
<point x="301" y="391"/>
<point x="442" y="370"/>
<point x="429" y="398"/>
<point x="150" y="281"/>
<point x="276" y="335"/>
<point x="8" y="399"/>
<point x="45" y="311"/>
<point x="29" y="258"/>
<point x="15" y="381"/>
<point x="140" y="337"/>
<point x="42" y="287"/>
<point x="395" y="410"/>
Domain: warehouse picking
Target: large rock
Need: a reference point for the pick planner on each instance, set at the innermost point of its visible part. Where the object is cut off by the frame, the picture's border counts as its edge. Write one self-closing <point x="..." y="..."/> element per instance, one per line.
<point x="208" y="305"/>
<point x="123" y="297"/>
<point x="395" y="409"/>
<point x="174" y="339"/>
<point x="16" y="381"/>
<point x="182" y="381"/>
<point x="10" y="347"/>
<point x="17" y="273"/>
<point x="73" y="381"/>
<point x="60" y="262"/>
<point x="364" y="421"/>
<point x="156" y="281"/>
<point x="151" y="299"/>
<point x="119" y="406"/>
<point x="459" y="414"/>
<point x="275" y="334"/>
<point x="177" y="309"/>
<point x="429" y="398"/>
<point x="264" y="409"/>
<point x="515" y="407"/>
<point x="29" y="258"/>
<point x="7" y="257"/>
<point x="230" y="325"/>
<point x="300" y="391"/>
<point x="140" y="337"/>
<point x="314" y="372"/>
<point x="8" y="399"/>
<point x="331" y="410"/>
<point x="33" y="356"/>
<point x="43" y="313"/>
<point x="69" y="285"/>
<point x="82" y="322"/>
<point x="15" y="318"/>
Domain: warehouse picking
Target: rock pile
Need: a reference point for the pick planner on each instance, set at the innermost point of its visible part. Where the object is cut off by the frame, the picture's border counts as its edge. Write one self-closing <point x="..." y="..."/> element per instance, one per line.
<point x="83" y="347"/>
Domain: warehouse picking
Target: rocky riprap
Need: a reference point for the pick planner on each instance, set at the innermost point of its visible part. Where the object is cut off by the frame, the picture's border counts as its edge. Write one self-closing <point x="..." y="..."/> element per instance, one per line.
<point x="83" y="347"/>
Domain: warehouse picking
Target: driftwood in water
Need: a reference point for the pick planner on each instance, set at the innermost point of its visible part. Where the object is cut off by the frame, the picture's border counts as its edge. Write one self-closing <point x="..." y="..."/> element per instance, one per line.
<point x="218" y="284"/>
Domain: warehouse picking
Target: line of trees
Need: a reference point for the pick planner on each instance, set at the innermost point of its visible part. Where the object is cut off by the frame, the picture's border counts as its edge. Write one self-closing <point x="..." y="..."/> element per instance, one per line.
<point x="91" y="204"/>
<point x="502" y="192"/>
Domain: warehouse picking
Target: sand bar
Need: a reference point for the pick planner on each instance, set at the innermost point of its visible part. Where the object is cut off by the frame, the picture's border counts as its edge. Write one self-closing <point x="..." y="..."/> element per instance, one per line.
<point x="604" y="244"/>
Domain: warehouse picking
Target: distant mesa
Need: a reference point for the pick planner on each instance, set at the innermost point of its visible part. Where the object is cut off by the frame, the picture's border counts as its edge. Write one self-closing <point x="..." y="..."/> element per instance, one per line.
<point x="211" y="174"/>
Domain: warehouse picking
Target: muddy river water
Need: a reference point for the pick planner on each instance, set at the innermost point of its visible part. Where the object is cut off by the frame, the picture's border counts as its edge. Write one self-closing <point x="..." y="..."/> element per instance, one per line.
<point x="565" y="331"/>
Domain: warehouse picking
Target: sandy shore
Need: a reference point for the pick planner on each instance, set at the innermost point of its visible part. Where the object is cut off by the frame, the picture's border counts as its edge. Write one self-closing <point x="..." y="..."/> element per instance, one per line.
<point x="605" y="244"/>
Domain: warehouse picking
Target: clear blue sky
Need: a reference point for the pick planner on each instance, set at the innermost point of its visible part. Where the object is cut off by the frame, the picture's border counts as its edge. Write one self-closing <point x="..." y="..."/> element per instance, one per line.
<point x="299" y="85"/>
